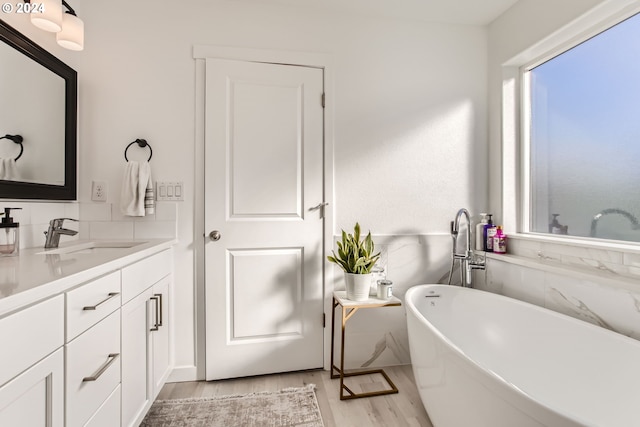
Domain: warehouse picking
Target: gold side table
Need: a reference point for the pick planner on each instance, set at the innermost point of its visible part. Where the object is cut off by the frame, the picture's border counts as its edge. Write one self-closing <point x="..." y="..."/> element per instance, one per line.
<point x="349" y="308"/>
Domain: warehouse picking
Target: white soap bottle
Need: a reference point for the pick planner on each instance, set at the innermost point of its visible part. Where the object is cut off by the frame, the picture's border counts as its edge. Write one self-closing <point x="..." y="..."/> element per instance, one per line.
<point x="480" y="232"/>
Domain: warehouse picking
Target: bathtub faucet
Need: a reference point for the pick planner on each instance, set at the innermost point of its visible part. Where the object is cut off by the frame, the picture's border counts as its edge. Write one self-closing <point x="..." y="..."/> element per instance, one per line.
<point x="468" y="262"/>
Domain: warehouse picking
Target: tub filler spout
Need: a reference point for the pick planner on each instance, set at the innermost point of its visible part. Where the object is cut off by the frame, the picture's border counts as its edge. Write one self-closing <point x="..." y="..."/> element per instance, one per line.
<point x="468" y="262"/>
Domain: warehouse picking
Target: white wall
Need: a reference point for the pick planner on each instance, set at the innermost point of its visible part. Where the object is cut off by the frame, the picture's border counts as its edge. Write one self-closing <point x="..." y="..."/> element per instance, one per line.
<point x="410" y="114"/>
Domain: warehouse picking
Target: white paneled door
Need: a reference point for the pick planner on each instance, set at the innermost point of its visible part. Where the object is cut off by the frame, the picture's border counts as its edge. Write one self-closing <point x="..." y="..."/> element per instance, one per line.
<point x="264" y="216"/>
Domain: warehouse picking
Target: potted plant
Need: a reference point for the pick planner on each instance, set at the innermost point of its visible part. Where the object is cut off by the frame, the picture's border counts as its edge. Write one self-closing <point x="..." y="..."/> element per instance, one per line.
<point x="356" y="258"/>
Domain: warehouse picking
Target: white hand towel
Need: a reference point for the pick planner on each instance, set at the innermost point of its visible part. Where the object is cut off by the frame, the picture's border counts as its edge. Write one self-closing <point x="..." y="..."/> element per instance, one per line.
<point x="136" y="197"/>
<point x="9" y="170"/>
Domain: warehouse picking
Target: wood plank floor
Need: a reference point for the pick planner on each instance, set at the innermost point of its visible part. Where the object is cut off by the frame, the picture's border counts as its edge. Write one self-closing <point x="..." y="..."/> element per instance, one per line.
<point x="394" y="410"/>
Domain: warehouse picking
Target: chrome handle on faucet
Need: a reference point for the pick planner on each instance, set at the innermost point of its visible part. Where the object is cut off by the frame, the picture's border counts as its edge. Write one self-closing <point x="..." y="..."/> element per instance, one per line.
<point x="61" y="220"/>
<point x="479" y="264"/>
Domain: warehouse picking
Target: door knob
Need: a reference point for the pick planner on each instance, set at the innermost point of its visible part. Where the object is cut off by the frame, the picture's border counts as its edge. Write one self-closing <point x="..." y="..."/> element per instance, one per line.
<point x="214" y="235"/>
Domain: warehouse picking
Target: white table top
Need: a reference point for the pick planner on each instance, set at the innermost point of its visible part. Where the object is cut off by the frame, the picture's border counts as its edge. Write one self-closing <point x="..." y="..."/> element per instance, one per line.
<point x="341" y="297"/>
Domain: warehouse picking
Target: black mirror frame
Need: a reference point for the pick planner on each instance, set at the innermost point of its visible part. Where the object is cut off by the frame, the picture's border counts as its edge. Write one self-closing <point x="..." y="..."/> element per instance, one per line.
<point x="28" y="190"/>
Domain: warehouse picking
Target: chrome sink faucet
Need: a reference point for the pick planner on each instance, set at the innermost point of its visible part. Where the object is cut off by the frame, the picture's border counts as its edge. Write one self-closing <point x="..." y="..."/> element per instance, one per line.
<point x="55" y="230"/>
<point x="468" y="263"/>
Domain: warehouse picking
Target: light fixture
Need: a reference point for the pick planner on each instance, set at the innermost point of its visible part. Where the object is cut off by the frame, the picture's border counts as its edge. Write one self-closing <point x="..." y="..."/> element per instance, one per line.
<point x="48" y="16"/>
<point x="68" y="27"/>
<point x="72" y="35"/>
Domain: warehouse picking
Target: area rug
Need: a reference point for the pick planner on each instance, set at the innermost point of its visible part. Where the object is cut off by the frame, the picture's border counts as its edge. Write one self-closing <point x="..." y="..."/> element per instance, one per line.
<point x="285" y="408"/>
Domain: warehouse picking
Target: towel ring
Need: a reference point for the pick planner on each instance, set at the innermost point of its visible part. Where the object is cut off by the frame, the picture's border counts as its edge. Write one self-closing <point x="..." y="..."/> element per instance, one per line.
<point x="18" y="140"/>
<point x="141" y="143"/>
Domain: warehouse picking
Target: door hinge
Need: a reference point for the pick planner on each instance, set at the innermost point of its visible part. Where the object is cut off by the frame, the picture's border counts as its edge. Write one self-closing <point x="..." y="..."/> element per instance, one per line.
<point x="324" y="320"/>
<point x="322" y="100"/>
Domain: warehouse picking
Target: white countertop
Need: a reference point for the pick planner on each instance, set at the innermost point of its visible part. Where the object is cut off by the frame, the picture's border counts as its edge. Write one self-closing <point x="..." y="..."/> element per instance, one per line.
<point x="38" y="273"/>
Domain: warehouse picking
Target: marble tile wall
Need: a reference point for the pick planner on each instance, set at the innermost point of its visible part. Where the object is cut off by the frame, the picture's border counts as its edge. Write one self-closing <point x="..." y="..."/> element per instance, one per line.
<point x="597" y="285"/>
<point x="378" y="336"/>
<point x="623" y="261"/>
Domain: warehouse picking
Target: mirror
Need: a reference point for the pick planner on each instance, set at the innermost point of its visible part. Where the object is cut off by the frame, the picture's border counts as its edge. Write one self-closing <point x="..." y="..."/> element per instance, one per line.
<point x="39" y="104"/>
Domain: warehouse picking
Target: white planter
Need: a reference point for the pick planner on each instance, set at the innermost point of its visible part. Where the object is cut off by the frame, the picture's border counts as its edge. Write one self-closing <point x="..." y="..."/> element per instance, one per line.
<point x="358" y="286"/>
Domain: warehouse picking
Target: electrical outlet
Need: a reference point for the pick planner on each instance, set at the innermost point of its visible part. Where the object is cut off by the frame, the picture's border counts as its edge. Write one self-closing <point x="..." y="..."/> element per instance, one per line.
<point x="99" y="191"/>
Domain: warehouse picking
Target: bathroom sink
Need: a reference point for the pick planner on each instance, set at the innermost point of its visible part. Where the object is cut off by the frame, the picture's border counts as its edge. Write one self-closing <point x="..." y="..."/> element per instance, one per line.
<point x="92" y="247"/>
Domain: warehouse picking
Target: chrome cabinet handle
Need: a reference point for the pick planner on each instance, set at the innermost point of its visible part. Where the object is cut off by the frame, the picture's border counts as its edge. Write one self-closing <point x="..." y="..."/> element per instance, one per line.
<point x="156" y="325"/>
<point x="215" y="235"/>
<point x="93" y="307"/>
<point x="160" y="311"/>
<point x="110" y="359"/>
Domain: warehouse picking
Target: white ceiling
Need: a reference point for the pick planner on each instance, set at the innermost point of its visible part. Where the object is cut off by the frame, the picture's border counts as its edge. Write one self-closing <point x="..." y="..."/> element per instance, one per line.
<point x="470" y="12"/>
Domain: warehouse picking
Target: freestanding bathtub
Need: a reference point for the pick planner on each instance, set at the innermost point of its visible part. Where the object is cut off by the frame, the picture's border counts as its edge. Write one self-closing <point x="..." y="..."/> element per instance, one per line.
<point x="485" y="360"/>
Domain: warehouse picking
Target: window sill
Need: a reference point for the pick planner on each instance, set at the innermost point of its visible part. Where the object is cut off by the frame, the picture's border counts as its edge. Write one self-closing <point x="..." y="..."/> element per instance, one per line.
<point x="601" y="244"/>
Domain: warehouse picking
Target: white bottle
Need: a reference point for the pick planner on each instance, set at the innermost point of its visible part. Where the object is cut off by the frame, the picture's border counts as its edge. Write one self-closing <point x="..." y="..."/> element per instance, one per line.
<point x="480" y="232"/>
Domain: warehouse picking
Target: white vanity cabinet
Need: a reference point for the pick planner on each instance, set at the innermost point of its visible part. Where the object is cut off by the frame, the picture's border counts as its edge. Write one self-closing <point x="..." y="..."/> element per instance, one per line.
<point x="32" y="366"/>
<point x="91" y="349"/>
<point x="146" y="360"/>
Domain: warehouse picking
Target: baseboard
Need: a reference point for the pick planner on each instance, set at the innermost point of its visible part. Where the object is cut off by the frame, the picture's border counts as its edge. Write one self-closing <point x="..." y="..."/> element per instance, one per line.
<point x="183" y="374"/>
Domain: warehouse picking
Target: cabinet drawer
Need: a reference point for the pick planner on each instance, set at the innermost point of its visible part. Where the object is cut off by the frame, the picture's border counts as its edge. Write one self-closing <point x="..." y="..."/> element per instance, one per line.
<point x="92" y="302"/>
<point x="92" y="369"/>
<point x="141" y="275"/>
<point x="29" y="335"/>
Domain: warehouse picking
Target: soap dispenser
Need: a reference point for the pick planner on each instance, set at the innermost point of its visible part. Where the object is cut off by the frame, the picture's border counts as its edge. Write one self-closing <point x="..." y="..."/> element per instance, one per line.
<point x="480" y="238"/>
<point x="489" y="232"/>
<point x="555" y="227"/>
<point x="9" y="234"/>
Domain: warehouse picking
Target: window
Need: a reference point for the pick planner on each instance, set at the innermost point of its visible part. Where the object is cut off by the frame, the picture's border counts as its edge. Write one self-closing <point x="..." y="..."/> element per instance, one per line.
<point x="582" y="131"/>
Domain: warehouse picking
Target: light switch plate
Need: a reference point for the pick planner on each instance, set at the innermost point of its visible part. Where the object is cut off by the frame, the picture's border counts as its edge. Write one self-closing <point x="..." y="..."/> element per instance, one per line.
<point x="169" y="191"/>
